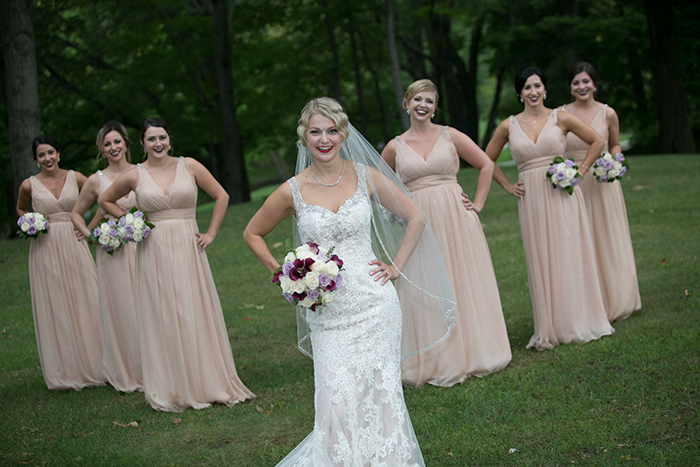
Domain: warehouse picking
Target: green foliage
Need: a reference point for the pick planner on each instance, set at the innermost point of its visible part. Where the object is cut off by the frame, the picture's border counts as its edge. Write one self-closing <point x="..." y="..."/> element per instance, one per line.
<point x="630" y="398"/>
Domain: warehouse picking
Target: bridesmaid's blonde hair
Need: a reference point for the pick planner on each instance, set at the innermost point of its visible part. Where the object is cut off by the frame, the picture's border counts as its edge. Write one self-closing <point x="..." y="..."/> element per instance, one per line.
<point x="327" y="107"/>
<point x="422" y="85"/>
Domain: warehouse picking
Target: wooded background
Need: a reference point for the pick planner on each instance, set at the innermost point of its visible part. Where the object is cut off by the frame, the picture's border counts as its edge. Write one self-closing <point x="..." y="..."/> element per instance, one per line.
<point x="230" y="77"/>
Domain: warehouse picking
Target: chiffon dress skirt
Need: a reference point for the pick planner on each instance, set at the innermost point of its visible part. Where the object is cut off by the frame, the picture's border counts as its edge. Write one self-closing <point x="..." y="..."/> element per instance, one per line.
<point x="611" y="232"/>
<point x="64" y="295"/>
<point x="116" y="280"/>
<point x="559" y="252"/>
<point x="478" y="344"/>
<point x="185" y="351"/>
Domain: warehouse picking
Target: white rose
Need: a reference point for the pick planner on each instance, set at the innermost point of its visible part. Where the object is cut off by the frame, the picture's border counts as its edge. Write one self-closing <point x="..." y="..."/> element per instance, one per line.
<point x="306" y="254"/>
<point x="617" y="165"/>
<point x="306" y="303"/>
<point x="129" y="218"/>
<point x="304" y="247"/>
<point x="138" y="236"/>
<point x="138" y="223"/>
<point x="104" y="239"/>
<point x="565" y="183"/>
<point x="311" y="280"/>
<point x="39" y="217"/>
<point x="24" y="226"/>
<point x="298" y="286"/>
<point x="608" y="157"/>
<point x="114" y="243"/>
<point x="121" y="231"/>
<point x="600" y="171"/>
<point x="318" y="266"/>
<point x="561" y="166"/>
<point x="327" y="297"/>
<point x="570" y="173"/>
<point x="554" y="178"/>
<point x="331" y="268"/>
<point x="290" y="257"/>
<point x="286" y="284"/>
<point x="613" y="173"/>
<point x="323" y="250"/>
<point x="104" y="227"/>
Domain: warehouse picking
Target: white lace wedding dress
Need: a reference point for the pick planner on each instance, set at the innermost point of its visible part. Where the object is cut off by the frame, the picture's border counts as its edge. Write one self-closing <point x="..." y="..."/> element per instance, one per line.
<point x="361" y="417"/>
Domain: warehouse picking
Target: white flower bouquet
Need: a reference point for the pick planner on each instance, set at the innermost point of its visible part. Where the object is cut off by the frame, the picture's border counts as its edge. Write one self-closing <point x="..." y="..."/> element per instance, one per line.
<point x="32" y="224"/>
<point x="563" y="173"/>
<point x="112" y="235"/>
<point x="310" y="276"/>
<point x="609" y="168"/>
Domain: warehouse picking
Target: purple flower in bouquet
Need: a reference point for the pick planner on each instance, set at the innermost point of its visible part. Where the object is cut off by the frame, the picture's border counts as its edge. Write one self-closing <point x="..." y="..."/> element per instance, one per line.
<point x="128" y="237"/>
<point x="552" y="169"/>
<point x="574" y="181"/>
<point x="46" y="223"/>
<point x="146" y="231"/>
<point x="603" y="179"/>
<point x="619" y="157"/>
<point x="561" y="175"/>
<point x="111" y="223"/>
<point x="21" y="220"/>
<point x="337" y="260"/>
<point x="288" y="297"/>
<point x="300" y="268"/>
<point x="96" y="232"/>
<point x="121" y="222"/>
<point x="287" y="268"/>
<point x="276" y="277"/>
<point x="32" y="229"/>
<point x="338" y="280"/>
<point x="623" y="171"/>
<point x="31" y="221"/>
<point x="113" y="233"/>
<point x="324" y="280"/>
<point x="569" y="163"/>
<point x="607" y="165"/>
<point x="312" y="294"/>
<point x="129" y="228"/>
<point x="138" y="214"/>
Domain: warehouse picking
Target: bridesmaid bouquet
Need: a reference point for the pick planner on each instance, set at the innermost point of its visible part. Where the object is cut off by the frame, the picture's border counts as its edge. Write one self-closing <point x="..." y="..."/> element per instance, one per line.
<point x="610" y="168"/>
<point x="31" y="225"/>
<point x="310" y="276"/>
<point x="563" y="173"/>
<point x="108" y="235"/>
<point x="136" y="226"/>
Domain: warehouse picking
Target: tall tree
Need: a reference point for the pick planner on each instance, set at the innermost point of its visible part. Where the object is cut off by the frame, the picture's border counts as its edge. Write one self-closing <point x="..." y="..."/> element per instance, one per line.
<point x="671" y="98"/>
<point x="394" y="58"/>
<point x="22" y="92"/>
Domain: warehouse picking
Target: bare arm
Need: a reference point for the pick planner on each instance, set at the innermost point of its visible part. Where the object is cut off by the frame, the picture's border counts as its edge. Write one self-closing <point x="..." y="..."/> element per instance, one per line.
<point x="470" y="152"/>
<point x="493" y="150"/>
<point x="389" y="154"/>
<point x="24" y="197"/>
<point x="568" y="122"/>
<point x="402" y="205"/>
<point x="278" y="206"/>
<point x="206" y="181"/>
<point x="121" y="187"/>
<point x="88" y="196"/>
<point x="613" y="131"/>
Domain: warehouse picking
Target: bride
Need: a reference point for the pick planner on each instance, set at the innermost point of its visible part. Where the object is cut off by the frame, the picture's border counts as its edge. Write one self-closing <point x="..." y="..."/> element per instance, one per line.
<point x="342" y="195"/>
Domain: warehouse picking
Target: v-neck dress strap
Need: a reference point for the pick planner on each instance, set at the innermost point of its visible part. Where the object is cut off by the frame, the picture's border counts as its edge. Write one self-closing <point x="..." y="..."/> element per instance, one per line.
<point x="527" y="155"/>
<point x="45" y="202"/>
<point x="440" y="168"/>
<point x="178" y="203"/>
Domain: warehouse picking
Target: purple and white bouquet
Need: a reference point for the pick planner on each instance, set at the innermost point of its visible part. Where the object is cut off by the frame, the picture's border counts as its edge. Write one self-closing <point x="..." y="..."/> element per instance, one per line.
<point x="111" y="235"/>
<point x="108" y="235"/>
<point x="136" y="226"/>
<point x="310" y="276"/>
<point x="32" y="224"/>
<point x="609" y="168"/>
<point x="563" y="173"/>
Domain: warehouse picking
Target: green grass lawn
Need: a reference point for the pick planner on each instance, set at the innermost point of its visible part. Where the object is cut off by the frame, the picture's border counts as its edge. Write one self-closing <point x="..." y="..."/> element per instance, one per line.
<point x="628" y="399"/>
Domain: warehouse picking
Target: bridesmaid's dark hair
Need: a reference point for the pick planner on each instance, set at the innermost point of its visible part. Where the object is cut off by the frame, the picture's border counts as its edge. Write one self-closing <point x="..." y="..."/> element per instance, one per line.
<point x="156" y="122"/>
<point x="522" y="76"/>
<point x="581" y="67"/>
<point x="44" y="139"/>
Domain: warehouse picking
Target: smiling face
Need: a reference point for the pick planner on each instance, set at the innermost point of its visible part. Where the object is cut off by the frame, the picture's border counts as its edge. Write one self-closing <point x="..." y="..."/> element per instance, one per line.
<point x="47" y="157"/>
<point x="582" y="86"/>
<point x="156" y="141"/>
<point x="113" y="146"/>
<point x="323" y="138"/>
<point x="533" y="91"/>
<point x="422" y="106"/>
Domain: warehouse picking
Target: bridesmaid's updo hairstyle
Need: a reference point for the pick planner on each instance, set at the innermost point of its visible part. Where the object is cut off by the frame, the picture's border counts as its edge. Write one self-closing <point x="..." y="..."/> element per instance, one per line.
<point x="44" y="139"/>
<point x="583" y="67"/>
<point x="522" y="76"/>
<point x="327" y="107"/>
<point x="108" y="128"/>
<point x="422" y="85"/>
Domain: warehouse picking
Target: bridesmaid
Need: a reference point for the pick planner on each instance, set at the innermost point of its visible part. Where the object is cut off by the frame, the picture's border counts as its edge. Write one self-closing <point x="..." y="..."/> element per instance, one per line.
<point x="559" y="252"/>
<point x="115" y="273"/>
<point x="604" y="201"/>
<point x="426" y="158"/>
<point x="62" y="277"/>
<point x="185" y="351"/>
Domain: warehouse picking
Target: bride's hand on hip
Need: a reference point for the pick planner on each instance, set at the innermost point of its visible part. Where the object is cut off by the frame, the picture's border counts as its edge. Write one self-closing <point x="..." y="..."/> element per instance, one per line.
<point x="385" y="272"/>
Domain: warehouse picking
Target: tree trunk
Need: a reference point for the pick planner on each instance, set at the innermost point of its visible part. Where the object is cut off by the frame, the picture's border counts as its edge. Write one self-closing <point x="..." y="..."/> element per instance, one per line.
<point x="377" y="87"/>
<point x="335" y="61"/>
<point x="470" y="83"/>
<point x="358" y="79"/>
<point x="674" y="124"/>
<point x="234" y="176"/>
<point x="24" y="117"/>
<point x="394" y="59"/>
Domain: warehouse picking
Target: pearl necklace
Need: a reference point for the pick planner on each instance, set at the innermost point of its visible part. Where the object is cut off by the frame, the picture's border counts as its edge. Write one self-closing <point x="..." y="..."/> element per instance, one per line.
<point x="329" y="184"/>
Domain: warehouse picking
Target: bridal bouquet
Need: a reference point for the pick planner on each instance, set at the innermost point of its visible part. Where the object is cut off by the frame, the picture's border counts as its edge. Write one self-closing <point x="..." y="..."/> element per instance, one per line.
<point x="609" y="168"/>
<point x="32" y="224"/>
<point x="108" y="235"/>
<point x="310" y="276"/>
<point x="563" y="173"/>
<point x="136" y="226"/>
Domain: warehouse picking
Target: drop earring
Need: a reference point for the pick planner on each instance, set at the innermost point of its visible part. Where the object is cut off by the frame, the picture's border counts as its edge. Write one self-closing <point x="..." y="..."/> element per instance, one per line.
<point x="520" y="98"/>
<point x="170" y="150"/>
<point x="38" y="165"/>
<point x="59" y="160"/>
<point x="408" y="112"/>
<point x="545" y="96"/>
<point x="432" y="115"/>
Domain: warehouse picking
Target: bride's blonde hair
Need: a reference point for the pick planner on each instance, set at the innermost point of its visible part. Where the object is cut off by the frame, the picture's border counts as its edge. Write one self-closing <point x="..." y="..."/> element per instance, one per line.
<point x="422" y="85"/>
<point x="327" y="107"/>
